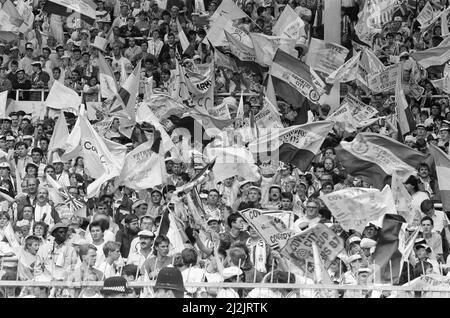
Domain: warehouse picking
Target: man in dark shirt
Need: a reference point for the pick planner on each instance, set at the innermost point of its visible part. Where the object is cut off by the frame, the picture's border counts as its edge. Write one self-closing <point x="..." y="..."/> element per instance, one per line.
<point x="21" y="82"/>
<point x="129" y="30"/>
<point x="39" y="80"/>
<point x="12" y="75"/>
<point x="236" y="222"/>
<point x="126" y="236"/>
<point x="164" y="54"/>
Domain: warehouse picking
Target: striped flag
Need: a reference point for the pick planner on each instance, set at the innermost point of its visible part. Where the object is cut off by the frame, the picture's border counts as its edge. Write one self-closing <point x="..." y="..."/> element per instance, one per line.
<point x="373" y="158"/>
<point x="266" y="47"/>
<point x="295" y="73"/>
<point x="431" y="57"/>
<point x="442" y="161"/>
<point x="108" y="83"/>
<point x="125" y="99"/>
<point x="84" y="8"/>
<point x="296" y="144"/>
<point x="405" y="116"/>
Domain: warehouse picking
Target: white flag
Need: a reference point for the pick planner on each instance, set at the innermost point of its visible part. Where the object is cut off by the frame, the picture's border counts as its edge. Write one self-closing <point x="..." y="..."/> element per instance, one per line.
<point x="346" y="72"/>
<point x="60" y="133"/>
<point x="232" y="161"/>
<point x="143" y="168"/>
<point x="62" y="97"/>
<point x="98" y="160"/>
<point x="182" y="36"/>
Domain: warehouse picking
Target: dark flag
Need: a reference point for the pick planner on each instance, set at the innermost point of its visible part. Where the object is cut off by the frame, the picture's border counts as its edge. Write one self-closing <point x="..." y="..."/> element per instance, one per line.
<point x="387" y="255"/>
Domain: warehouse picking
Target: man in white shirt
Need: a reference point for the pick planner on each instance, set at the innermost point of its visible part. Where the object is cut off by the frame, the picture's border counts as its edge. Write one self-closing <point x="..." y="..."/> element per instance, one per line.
<point x="120" y="63"/>
<point x="439" y="218"/>
<point x="96" y="229"/>
<point x="60" y="175"/>
<point x="311" y="217"/>
<point x="143" y="250"/>
<point x="432" y="238"/>
<point x="111" y="250"/>
<point x="25" y="62"/>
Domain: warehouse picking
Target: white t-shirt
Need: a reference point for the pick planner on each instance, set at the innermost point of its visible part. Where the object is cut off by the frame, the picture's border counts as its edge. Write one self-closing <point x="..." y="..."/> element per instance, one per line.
<point x="193" y="275"/>
<point x="107" y="269"/>
<point x="100" y="255"/>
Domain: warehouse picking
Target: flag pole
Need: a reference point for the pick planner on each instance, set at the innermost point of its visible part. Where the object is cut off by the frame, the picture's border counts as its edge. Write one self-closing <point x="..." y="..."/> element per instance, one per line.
<point x="409" y="277"/>
<point x="239" y="265"/>
<point x="390" y="269"/>
<point x="271" y="274"/>
<point x="137" y="272"/>
<point x="254" y="276"/>
<point x="289" y="273"/>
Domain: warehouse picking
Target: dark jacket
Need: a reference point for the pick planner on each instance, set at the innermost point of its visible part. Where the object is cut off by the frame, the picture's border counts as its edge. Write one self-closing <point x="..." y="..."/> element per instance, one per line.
<point x="124" y="237"/>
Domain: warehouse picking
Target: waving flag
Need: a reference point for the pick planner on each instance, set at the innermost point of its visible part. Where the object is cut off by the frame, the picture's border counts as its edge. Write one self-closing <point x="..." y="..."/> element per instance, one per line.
<point x="232" y="161"/>
<point x="182" y="36"/>
<point x="59" y="93"/>
<point x="108" y="84"/>
<point x="240" y="50"/>
<point x="12" y="15"/>
<point x="373" y="158"/>
<point x="229" y="10"/>
<point x="270" y="227"/>
<point x="212" y="125"/>
<point x="225" y="61"/>
<point x="60" y="133"/>
<point x="164" y="106"/>
<point x="145" y="115"/>
<point x="387" y="256"/>
<point x="442" y="161"/>
<point x="268" y="116"/>
<point x="178" y="86"/>
<point x="431" y="57"/>
<point x="355" y="207"/>
<point x="144" y="167"/>
<point x="293" y="72"/>
<point x="289" y="24"/>
<point x="98" y="159"/>
<point x="84" y="8"/>
<point x="405" y="115"/>
<point x="296" y="144"/>
<point x="266" y="47"/>
<point x="174" y="232"/>
<point x="325" y="56"/>
<point x="125" y="100"/>
<point x="346" y="72"/>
